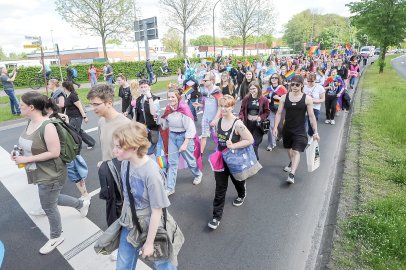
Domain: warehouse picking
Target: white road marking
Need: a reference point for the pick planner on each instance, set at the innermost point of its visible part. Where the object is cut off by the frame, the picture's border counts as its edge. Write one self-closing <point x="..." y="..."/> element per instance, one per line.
<point x="94" y="192"/>
<point x="15" y="180"/>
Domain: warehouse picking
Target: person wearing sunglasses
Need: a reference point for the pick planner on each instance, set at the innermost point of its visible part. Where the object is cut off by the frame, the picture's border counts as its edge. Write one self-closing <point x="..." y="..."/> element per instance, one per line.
<point x="274" y="93"/>
<point x="296" y="104"/>
<point x="254" y="110"/>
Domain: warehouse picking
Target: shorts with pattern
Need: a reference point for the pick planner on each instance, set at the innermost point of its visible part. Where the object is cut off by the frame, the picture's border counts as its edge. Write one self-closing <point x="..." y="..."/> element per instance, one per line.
<point x="205" y="127"/>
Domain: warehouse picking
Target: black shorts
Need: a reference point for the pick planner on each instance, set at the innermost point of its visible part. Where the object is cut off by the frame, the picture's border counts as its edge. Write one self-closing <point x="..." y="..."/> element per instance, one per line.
<point x="296" y="141"/>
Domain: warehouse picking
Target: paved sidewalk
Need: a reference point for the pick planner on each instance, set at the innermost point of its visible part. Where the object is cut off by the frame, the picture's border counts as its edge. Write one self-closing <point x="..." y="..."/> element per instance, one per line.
<point x="82" y="85"/>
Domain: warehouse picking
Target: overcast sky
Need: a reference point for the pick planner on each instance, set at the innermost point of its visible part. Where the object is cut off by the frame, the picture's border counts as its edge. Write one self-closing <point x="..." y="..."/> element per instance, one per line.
<point x="19" y="18"/>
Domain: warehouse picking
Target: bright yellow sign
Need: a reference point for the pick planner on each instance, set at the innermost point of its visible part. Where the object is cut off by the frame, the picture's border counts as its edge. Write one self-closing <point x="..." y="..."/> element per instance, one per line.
<point x="31" y="46"/>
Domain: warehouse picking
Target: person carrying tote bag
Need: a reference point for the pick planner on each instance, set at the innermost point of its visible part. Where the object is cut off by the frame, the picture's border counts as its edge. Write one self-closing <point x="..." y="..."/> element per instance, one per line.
<point x="240" y="138"/>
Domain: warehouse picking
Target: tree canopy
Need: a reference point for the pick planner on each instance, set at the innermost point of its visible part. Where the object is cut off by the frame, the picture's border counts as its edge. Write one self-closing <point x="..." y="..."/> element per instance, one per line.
<point x="312" y="28"/>
<point x="384" y="21"/>
<point x="105" y="18"/>
<point x="244" y="18"/>
<point x="172" y="41"/>
<point x="185" y="15"/>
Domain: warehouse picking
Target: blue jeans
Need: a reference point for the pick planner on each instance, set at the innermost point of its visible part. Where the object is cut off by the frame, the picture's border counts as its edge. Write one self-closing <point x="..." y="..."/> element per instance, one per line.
<point x="15" y="107"/>
<point x="150" y="77"/>
<point x="175" y="141"/>
<point x="47" y="74"/>
<point x="128" y="255"/>
<point x="310" y="129"/>
<point x="352" y="81"/>
<point x="109" y="80"/>
<point x="192" y="108"/>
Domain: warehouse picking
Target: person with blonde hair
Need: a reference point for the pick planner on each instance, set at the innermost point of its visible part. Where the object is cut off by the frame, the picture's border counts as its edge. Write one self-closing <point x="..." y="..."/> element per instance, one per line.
<point x="57" y="94"/>
<point x="135" y="93"/>
<point x="227" y="85"/>
<point x="144" y="193"/>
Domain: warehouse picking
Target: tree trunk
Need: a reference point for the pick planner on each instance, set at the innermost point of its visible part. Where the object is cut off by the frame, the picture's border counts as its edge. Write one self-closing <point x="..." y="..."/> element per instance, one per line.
<point x="382" y="59"/>
<point x="104" y="47"/>
<point x="184" y="43"/>
<point x="244" y="41"/>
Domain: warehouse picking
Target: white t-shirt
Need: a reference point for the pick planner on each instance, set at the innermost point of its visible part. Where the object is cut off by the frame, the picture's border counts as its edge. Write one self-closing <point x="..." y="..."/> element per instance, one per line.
<point x="314" y="92"/>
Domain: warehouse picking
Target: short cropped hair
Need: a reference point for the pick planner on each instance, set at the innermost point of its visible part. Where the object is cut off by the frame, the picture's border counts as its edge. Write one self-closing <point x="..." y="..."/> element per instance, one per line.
<point x="103" y="91"/>
<point x="227" y="101"/>
<point x="133" y="135"/>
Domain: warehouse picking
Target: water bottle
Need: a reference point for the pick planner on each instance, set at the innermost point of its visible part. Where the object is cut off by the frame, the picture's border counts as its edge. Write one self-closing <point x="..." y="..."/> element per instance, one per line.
<point x="18" y="151"/>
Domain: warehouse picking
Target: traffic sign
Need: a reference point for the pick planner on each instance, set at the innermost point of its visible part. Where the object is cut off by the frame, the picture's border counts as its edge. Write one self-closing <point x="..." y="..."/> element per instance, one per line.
<point x="150" y="25"/>
<point x="31" y="46"/>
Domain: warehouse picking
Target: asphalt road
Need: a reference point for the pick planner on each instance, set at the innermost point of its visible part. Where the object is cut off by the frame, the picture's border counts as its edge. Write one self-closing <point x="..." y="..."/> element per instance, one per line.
<point x="278" y="227"/>
<point x="399" y="63"/>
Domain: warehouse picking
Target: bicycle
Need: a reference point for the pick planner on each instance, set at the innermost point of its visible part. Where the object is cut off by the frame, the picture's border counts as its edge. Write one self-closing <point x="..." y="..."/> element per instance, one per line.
<point x="38" y="81"/>
<point x="143" y="75"/>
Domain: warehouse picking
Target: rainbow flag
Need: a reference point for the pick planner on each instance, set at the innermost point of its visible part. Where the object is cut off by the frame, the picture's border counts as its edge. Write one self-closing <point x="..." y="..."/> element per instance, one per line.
<point x="188" y="90"/>
<point x="290" y="74"/>
<point x="334" y="50"/>
<point x="267" y="92"/>
<point x="313" y="49"/>
<point x="270" y="71"/>
<point x="276" y="103"/>
<point x="347" y="47"/>
<point x="321" y="73"/>
<point x="161" y="160"/>
<point x="209" y="62"/>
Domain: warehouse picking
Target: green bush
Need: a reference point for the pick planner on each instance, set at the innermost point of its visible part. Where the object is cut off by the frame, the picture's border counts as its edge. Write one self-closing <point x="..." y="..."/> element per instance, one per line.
<point x="130" y="69"/>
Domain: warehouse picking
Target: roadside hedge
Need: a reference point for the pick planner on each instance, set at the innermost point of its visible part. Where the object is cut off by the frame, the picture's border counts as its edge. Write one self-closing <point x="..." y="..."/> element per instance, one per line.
<point x="130" y="69"/>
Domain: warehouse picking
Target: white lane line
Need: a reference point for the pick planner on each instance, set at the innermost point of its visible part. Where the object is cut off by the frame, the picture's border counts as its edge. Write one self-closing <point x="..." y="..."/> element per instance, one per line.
<point x="15" y="181"/>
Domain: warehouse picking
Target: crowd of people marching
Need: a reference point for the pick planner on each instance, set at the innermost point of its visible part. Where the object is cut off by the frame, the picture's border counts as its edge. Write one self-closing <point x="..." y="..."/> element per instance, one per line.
<point x="145" y="144"/>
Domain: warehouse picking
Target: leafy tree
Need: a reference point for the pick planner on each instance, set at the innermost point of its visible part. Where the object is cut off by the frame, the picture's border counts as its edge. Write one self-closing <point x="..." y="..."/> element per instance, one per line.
<point x="205" y="40"/>
<point x="383" y="20"/>
<point x="3" y="56"/>
<point x="185" y="15"/>
<point x="172" y="41"/>
<point x="105" y="18"/>
<point x="245" y="17"/>
<point x="115" y="41"/>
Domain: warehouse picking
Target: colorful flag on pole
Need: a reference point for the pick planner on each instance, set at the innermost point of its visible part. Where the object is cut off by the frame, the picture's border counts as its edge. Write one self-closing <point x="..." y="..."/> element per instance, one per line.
<point x="289" y="74"/>
<point x="267" y="92"/>
<point x="347" y="47"/>
<point x="246" y="63"/>
<point x="270" y="71"/>
<point x="209" y="62"/>
<point x="313" y="49"/>
<point x="320" y="72"/>
<point x="188" y="90"/>
<point x="334" y="50"/>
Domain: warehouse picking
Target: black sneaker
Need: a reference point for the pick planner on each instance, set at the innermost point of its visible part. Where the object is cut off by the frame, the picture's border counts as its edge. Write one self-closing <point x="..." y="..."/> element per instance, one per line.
<point x="238" y="201"/>
<point x="214" y="224"/>
<point x="291" y="178"/>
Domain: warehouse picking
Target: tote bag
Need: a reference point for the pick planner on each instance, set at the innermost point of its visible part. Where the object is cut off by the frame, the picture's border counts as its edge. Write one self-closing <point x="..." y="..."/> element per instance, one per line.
<point x="313" y="156"/>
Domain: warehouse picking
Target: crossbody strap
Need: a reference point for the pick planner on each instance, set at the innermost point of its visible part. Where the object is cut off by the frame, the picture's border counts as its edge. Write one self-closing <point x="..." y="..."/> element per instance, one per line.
<point x="232" y="130"/>
<point x="136" y="222"/>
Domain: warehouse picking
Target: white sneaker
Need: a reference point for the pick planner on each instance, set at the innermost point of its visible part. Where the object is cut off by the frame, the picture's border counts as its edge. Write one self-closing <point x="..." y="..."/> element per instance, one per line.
<point x="327" y="121"/>
<point x="89" y="147"/>
<point x="85" y="198"/>
<point x="113" y="255"/>
<point x="169" y="192"/>
<point x="333" y="122"/>
<point x="198" y="179"/>
<point x="51" y="245"/>
<point x="288" y="168"/>
<point x="85" y="208"/>
<point x="269" y="148"/>
<point x="291" y="179"/>
<point x="37" y="212"/>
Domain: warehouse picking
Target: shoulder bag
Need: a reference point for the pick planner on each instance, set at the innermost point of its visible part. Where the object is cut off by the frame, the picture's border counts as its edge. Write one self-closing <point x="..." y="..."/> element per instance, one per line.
<point x="162" y="243"/>
<point x="241" y="162"/>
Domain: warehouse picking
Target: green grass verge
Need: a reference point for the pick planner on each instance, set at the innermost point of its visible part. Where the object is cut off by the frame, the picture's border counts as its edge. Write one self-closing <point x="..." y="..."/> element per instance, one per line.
<point x="5" y="112"/>
<point x="372" y="227"/>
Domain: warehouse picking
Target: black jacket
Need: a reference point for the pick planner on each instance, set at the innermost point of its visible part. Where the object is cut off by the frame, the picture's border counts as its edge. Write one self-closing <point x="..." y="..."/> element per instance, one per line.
<point x="111" y="189"/>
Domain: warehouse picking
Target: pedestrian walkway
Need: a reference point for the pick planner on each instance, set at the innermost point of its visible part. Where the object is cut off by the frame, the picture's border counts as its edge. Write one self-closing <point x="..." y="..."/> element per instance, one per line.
<point x="79" y="233"/>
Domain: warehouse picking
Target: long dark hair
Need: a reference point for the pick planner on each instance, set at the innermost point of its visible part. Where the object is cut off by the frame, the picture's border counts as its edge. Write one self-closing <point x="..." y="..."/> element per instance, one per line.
<point x="39" y="101"/>
<point x="68" y="86"/>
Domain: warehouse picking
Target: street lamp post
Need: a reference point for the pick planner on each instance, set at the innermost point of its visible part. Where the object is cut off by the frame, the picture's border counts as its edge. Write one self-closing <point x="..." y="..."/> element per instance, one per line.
<point x="214" y="36"/>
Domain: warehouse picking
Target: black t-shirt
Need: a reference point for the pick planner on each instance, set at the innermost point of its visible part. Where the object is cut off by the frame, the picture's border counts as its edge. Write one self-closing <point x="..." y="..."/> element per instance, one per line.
<point x="253" y="106"/>
<point x="224" y="135"/>
<point x="125" y="94"/>
<point x="71" y="109"/>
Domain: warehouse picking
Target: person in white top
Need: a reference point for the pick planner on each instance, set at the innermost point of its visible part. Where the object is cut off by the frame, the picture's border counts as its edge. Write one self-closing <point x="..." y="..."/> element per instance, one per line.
<point x="317" y="93"/>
